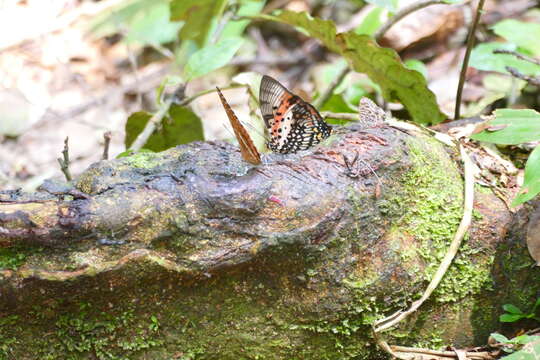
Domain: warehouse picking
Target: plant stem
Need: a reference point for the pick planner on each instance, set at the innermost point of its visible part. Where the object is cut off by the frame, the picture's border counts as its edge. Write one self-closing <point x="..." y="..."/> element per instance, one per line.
<point x="64" y="163"/>
<point x="154" y="121"/>
<point x="470" y="44"/>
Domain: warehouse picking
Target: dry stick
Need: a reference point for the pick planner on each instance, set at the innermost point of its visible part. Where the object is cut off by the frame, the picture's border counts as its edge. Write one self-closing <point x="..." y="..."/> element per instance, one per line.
<point x="155" y="120"/>
<point x="64" y="164"/>
<point x="393" y="319"/>
<point x="517" y="74"/>
<point x="331" y="87"/>
<point x="107" y="138"/>
<point x="441" y="354"/>
<point x="340" y="116"/>
<point x="517" y="55"/>
<point x="470" y="44"/>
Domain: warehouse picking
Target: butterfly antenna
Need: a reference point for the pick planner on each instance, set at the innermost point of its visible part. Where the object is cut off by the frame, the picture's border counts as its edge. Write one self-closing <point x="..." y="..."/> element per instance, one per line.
<point x="253" y="128"/>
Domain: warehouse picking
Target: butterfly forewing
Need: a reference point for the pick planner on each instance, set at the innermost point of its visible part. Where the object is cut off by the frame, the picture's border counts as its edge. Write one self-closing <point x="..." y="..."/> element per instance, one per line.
<point x="247" y="148"/>
<point x="292" y="123"/>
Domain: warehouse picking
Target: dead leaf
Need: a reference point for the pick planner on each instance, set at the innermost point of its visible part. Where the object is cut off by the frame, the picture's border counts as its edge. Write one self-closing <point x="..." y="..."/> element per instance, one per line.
<point x="533" y="236"/>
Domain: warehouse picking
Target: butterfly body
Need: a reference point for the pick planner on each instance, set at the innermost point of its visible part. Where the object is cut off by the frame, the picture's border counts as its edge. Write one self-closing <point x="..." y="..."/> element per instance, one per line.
<point x="292" y="123"/>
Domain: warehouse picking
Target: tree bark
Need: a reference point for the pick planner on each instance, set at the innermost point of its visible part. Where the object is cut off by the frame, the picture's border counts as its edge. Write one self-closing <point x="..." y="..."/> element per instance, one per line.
<point x="215" y="258"/>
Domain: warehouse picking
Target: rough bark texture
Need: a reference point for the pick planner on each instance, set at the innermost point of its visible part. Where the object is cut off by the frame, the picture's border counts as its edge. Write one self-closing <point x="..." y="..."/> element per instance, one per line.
<point x="194" y="254"/>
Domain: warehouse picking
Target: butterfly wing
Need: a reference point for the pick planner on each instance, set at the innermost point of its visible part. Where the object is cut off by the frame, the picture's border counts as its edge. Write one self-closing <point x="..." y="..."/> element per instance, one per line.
<point x="292" y="123"/>
<point x="370" y="114"/>
<point x="247" y="148"/>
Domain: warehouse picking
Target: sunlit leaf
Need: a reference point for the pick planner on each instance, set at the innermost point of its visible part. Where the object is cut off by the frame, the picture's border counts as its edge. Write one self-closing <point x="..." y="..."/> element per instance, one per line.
<point x="180" y="127"/>
<point x="531" y="183"/>
<point x="523" y="126"/>
<point x="483" y="58"/>
<point x="152" y="26"/>
<point x="382" y="65"/>
<point x="212" y="57"/>
<point x="499" y="338"/>
<point x="390" y="5"/>
<point x="371" y="22"/>
<point x="530" y="351"/>
<point x="526" y="35"/>
<point x="417" y="65"/>
<point x="247" y="8"/>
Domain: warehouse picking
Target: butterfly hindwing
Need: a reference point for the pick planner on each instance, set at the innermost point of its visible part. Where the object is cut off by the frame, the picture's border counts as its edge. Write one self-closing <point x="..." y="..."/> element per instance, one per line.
<point x="292" y="123"/>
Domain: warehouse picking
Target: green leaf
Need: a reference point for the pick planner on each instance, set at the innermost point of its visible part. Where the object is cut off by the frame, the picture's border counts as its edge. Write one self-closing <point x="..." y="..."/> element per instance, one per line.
<point x="171" y="80"/>
<point x="247" y="8"/>
<point x="417" y="65"/>
<point x="530" y="351"/>
<point x="510" y="317"/>
<point x="390" y="5"/>
<point x="522" y="126"/>
<point x="383" y="66"/>
<point x="500" y="338"/>
<point x="152" y="26"/>
<point x="531" y="183"/>
<point x="180" y="127"/>
<point x="483" y="58"/>
<point x="523" y="34"/>
<point x="512" y="309"/>
<point x="370" y="23"/>
<point x="212" y="57"/>
<point x="200" y="16"/>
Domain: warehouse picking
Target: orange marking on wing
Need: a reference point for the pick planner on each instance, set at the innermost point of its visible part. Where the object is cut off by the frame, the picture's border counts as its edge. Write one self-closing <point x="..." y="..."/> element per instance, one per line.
<point x="247" y="148"/>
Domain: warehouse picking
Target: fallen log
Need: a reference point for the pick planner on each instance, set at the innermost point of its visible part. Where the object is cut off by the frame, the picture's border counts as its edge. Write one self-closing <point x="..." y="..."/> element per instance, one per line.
<point x="194" y="253"/>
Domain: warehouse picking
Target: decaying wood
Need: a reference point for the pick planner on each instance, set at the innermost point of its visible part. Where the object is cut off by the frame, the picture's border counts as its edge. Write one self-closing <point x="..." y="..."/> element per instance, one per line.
<point x="330" y="232"/>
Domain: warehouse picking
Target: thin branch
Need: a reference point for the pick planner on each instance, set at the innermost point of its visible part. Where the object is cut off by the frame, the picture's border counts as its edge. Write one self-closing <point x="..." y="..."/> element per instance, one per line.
<point x="517" y="55"/>
<point x="155" y="120"/>
<point x="327" y="93"/>
<point x="340" y="116"/>
<point x="517" y="74"/>
<point x="64" y="163"/>
<point x="404" y="12"/>
<point x="151" y="125"/>
<point x="107" y="139"/>
<point x="395" y="318"/>
<point x="209" y="91"/>
<point x="464" y="66"/>
<point x="439" y="354"/>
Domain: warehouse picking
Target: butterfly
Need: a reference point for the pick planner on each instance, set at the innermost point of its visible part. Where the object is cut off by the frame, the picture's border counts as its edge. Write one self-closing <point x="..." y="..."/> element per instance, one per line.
<point x="292" y="123"/>
<point x="247" y="148"/>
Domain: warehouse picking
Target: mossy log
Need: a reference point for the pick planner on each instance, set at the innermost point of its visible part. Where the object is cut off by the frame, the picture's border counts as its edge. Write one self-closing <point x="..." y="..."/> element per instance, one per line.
<point x="193" y="253"/>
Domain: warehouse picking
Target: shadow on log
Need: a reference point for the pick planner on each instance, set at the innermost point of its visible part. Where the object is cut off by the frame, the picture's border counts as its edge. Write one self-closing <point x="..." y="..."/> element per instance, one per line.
<point x="194" y="254"/>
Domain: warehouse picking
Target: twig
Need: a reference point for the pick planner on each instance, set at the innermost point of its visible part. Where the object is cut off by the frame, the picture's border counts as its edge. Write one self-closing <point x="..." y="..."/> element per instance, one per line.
<point x="404" y="12"/>
<point x="325" y="95"/>
<point x="340" y="116"/>
<point x="470" y="44"/>
<point x="154" y="121"/>
<point x="517" y="74"/>
<point x="64" y="163"/>
<point x="440" y="354"/>
<point x="517" y="55"/>
<point x="107" y="139"/>
<point x="393" y="319"/>
<point x="151" y="125"/>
